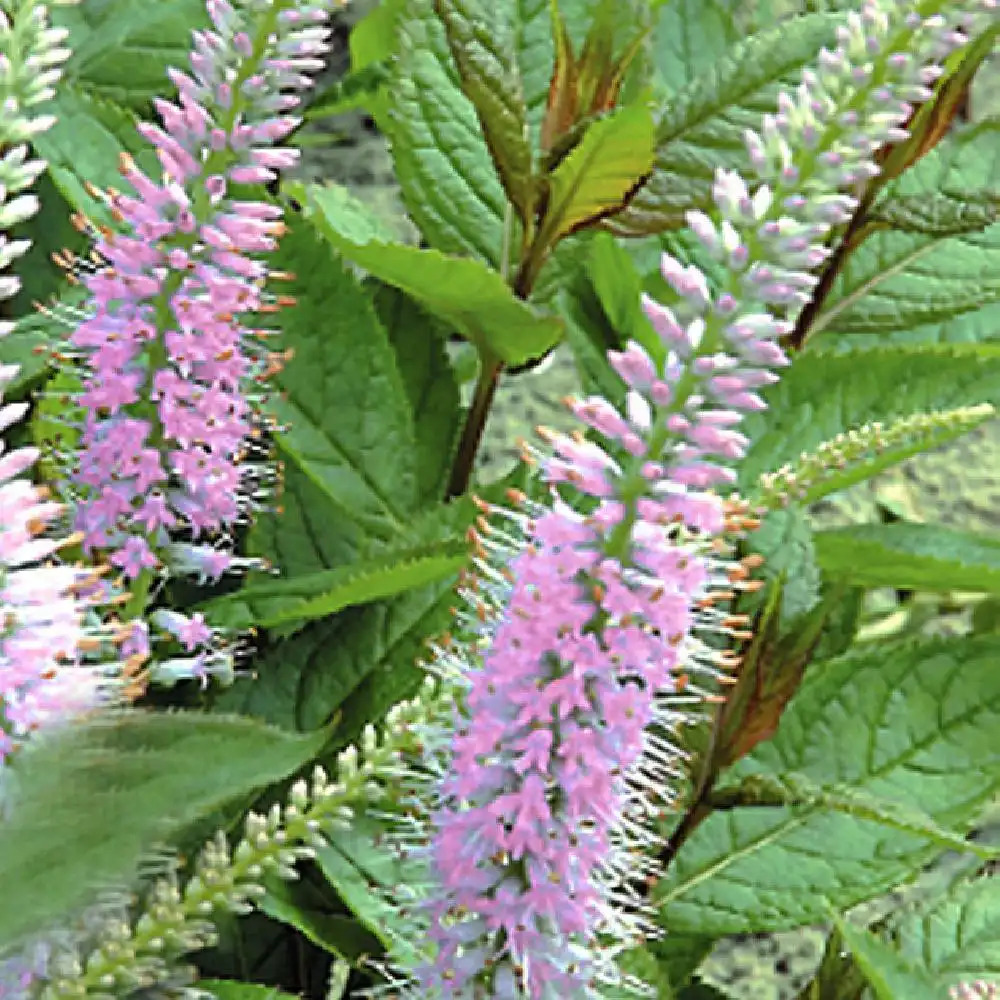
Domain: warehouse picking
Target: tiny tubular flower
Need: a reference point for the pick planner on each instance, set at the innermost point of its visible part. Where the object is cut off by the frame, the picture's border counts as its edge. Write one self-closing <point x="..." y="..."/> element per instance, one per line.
<point x="591" y="635"/>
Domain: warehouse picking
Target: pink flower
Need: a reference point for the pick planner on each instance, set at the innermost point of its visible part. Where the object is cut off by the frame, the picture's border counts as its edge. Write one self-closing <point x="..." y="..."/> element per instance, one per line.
<point x="172" y="368"/>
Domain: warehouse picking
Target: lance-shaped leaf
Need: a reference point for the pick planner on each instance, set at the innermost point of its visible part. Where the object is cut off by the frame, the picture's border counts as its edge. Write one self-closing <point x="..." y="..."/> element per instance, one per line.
<point x="689" y="35"/>
<point x="772" y="670"/>
<point x="911" y="557"/>
<point x="599" y="176"/>
<point x="908" y="723"/>
<point x="87" y="801"/>
<point x="482" y="46"/>
<point x="700" y="129"/>
<point x="317" y="595"/>
<point x="463" y="292"/>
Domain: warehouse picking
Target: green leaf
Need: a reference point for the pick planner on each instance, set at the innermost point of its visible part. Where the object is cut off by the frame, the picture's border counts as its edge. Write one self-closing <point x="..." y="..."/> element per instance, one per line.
<point x="890" y="976"/>
<point x="228" y="989"/>
<point x="309" y="907"/>
<point x="911" y="557"/>
<point x="939" y="214"/>
<point x="599" y="175"/>
<point x="785" y="540"/>
<point x="318" y="595"/>
<point x="115" y="785"/>
<point x="700" y="129"/>
<point x="420" y="343"/>
<point x="362" y="869"/>
<point x="689" y="35"/>
<point x="449" y="184"/>
<point x="464" y="293"/>
<point x="122" y="49"/>
<point x="925" y="286"/>
<point x="482" y="46"/>
<point x="921" y="720"/>
<point x="822" y="395"/>
<point x="85" y="144"/>
<point x="956" y="936"/>
<point x="303" y="682"/>
<point x="347" y="425"/>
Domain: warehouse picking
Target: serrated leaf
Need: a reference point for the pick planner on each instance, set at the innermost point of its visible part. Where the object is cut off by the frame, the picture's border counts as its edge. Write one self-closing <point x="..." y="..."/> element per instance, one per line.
<point x="121" y="49"/>
<point x="921" y="720"/>
<point x="700" y="129"/>
<point x="822" y="395"/>
<point x="916" y="287"/>
<point x="303" y="682"/>
<point x="115" y="785"/>
<point x="890" y="976"/>
<point x="482" y="46"/>
<point x="911" y="556"/>
<point x="689" y="35"/>
<point x="462" y="292"/>
<point x="309" y="907"/>
<point x="84" y="146"/>
<point x="957" y="936"/>
<point x="599" y="176"/>
<point x="785" y="540"/>
<point x="318" y="595"/>
<point x="359" y="452"/>
<point x="443" y="165"/>
<point x="939" y="214"/>
<point x="360" y="865"/>
<point x="420" y="343"/>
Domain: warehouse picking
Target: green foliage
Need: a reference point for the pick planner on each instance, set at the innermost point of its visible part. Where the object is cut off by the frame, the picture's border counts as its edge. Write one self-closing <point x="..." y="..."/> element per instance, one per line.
<point x="464" y="293"/>
<point x="919" y="283"/>
<point x="117" y="784"/>
<point x="910" y="557"/>
<point x="701" y="128"/>
<point x="822" y="394"/>
<point x="888" y="974"/>
<point x="921" y="719"/>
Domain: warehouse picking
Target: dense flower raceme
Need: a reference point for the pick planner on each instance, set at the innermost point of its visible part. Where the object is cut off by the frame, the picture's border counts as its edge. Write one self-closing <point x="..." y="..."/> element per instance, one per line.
<point x="169" y="457"/>
<point x="46" y="625"/>
<point x="168" y="395"/>
<point x="591" y="630"/>
<point x="979" y="990"/>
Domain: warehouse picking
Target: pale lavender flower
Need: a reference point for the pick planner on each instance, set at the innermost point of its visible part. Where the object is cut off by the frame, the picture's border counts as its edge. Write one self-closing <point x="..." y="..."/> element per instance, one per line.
<point x="589" y="623"/>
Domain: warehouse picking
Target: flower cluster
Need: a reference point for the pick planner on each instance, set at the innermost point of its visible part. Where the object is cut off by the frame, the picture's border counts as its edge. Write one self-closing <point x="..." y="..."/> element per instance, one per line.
<point x="591" y="630"/>
<point x="172" y="369"/>
<point x="43" y="676"/>
<point x="122" y="956"/>
<point x="979" y="990"/>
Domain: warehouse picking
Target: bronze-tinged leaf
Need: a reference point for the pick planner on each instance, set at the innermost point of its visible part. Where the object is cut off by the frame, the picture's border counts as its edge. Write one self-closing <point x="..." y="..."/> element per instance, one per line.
<point x="932" y="121"/>
<point x="483" y="49"/>
<point x="773" y="667"/>
<point x="561" y="111"/>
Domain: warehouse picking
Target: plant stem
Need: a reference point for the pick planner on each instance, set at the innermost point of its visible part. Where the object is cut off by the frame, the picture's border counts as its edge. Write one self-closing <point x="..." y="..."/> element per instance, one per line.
<point x="486" y="387"/>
